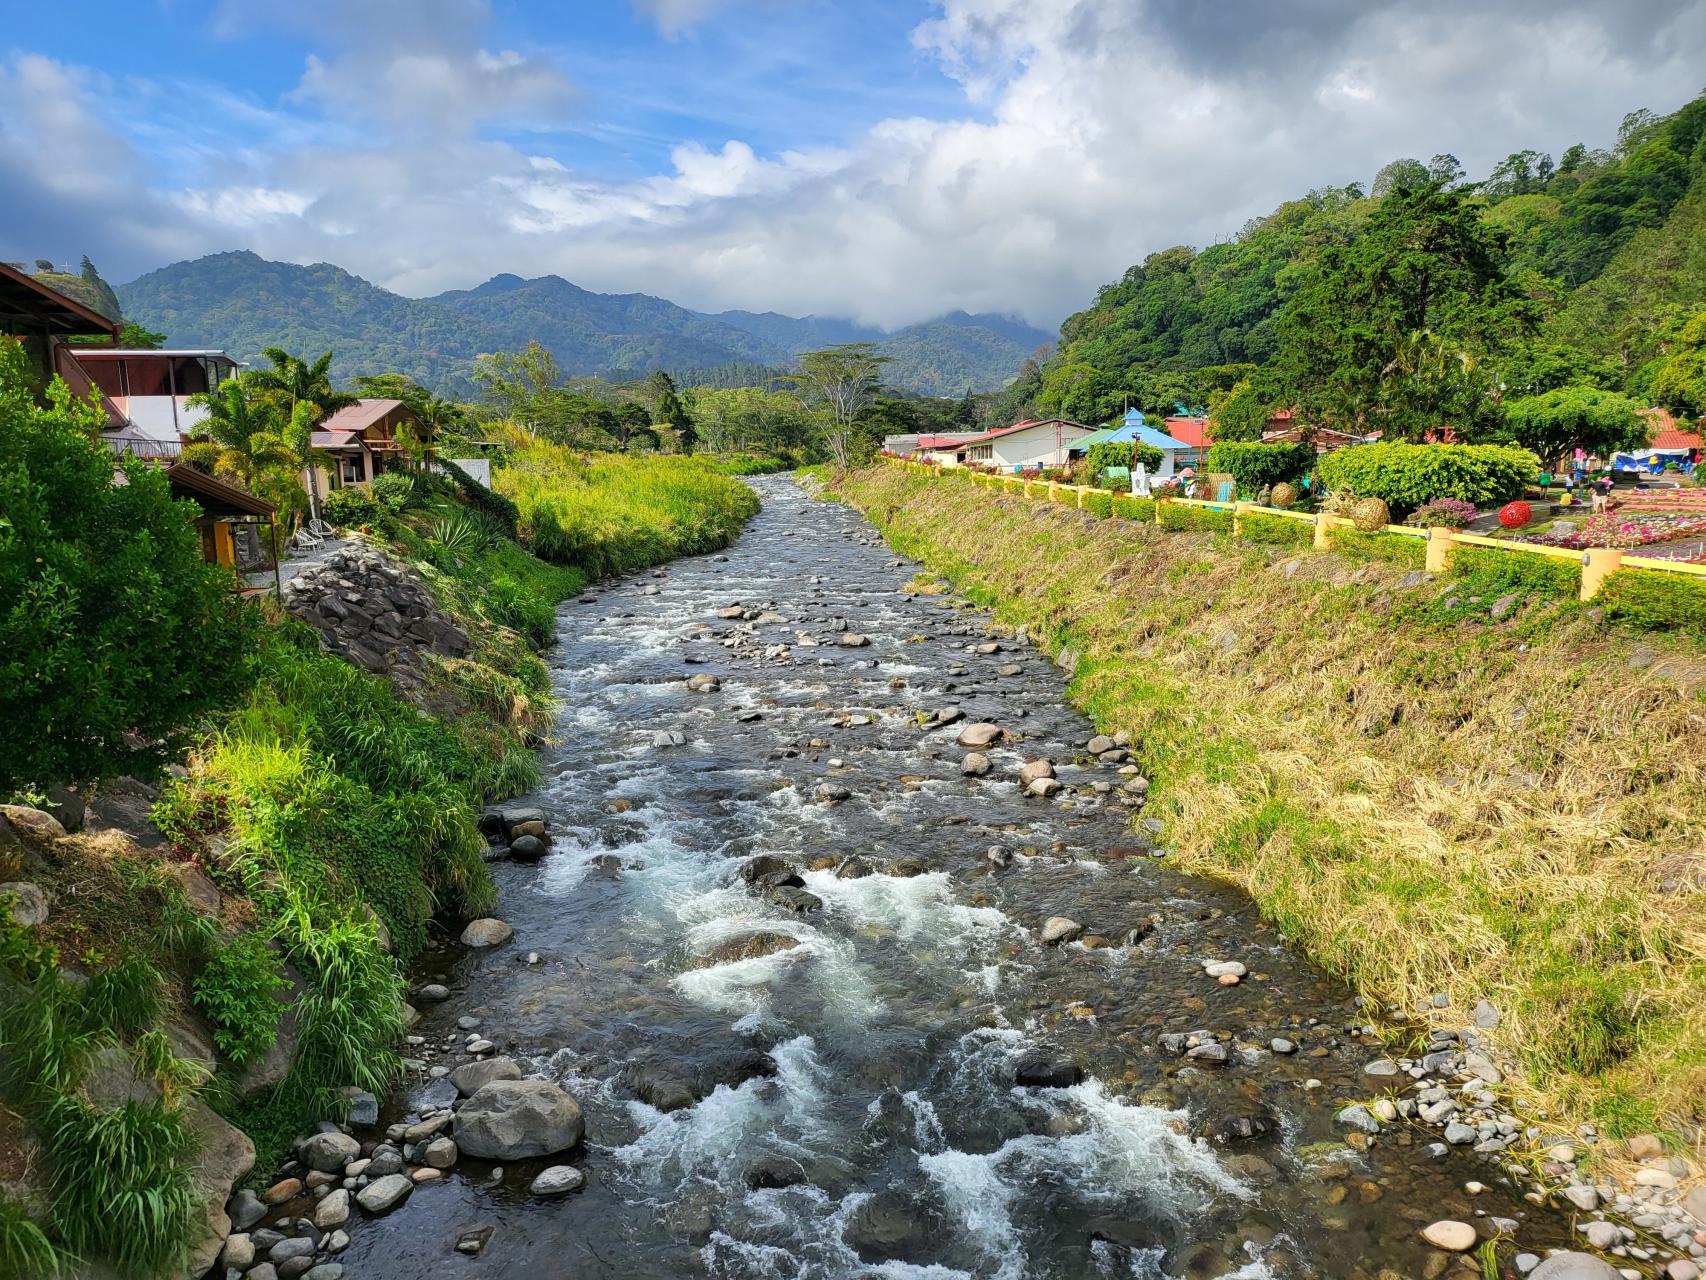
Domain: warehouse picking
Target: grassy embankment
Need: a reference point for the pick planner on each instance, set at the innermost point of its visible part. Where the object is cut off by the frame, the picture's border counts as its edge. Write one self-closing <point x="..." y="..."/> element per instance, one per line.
<point x="1423" y="799"/>
<point x="337" y="821"/>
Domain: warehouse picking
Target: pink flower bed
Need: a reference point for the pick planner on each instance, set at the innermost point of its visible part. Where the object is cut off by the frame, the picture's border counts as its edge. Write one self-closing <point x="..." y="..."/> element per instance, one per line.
<point x="1625" y="529"/>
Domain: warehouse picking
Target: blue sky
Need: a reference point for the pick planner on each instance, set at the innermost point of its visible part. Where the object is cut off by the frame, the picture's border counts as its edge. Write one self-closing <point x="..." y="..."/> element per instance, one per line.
<point x="886" y="160"/>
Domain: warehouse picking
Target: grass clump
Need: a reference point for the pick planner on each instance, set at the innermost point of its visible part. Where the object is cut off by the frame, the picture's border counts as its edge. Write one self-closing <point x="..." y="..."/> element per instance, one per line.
<point x="1484" y="571"/>
<point x="25" y="1250"/>
<point x="612" y="513"/>
<point x="1275" y="531"/>
<point x="1394" y="548"/>
<point x="1422" y="807"/>
<point x="1656" y="601"/>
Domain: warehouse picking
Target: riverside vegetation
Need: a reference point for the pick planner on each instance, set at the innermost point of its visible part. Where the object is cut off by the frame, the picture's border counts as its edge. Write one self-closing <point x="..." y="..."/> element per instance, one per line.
<point x="321" y="821"/>
<point x="1426" y="801"/>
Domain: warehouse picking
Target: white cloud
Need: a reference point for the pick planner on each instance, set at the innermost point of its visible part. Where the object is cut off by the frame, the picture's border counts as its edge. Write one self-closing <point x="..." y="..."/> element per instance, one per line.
<point x="1094" y="133"/>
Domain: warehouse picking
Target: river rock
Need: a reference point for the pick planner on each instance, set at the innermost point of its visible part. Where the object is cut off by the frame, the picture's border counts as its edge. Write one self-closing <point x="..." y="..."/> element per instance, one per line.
<point x="1694" y="1205"/>
<point x="1358" y="1117"/>
<point x="748" y="946"/>
<point x="28" y="905"/>
<point x="774" y="1171"/>
<point x="333" y="1211"/>
<point x="1043" y="788"/>
<point x="432" y="993"/>
<point x="1058" y="929"/>
<point x="329" y="1152"/>
<point x="1034" y="769"/>
<point x="1224" y="969"/>
<point x="384" y="1194"/>
<point x="291" y="1247"/>
<point x="1240" y="1128"/>
<point x="518" y="1120"/>
<point x="1099" y="744"/>
<point x="1574" y="1266"/>
<point x="32" y="826"/>
<point x="486" y="932"/>
<point x="852" y="640"/>
<point x="558" y="1180"/>
<point x="440" y="1153"/>
<point x="975" y="765"/>
<point x="662" y="1089"/>
<point x="1044" y="1071"/>
<point x="793" y="899"/>
<point x="238" y="1251"/>
<point x="526" y="849"/>
<point x="385" y="1160"/>
<point x="703" y="683"/>
<point x="981" y="734"/>
<point x="888" y="1226"/>
<point x="1455" y="1237"/>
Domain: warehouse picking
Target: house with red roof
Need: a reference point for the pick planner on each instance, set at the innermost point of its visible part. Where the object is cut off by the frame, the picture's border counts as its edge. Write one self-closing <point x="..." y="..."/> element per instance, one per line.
<point x="1664" y="432"/>
<point x="1024" y="446"/>
<point x="361" y="440"/>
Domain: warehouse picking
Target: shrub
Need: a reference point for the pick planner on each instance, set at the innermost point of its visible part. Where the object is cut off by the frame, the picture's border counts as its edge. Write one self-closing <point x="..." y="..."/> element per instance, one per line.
<point x="110" y="620"/>
<point x="1257" y="466"/>
<point x="1445" y="513"/>
<point x="396" y="491"/>
<point x="1113" y="453"/>
<point x="1100" y="505"/>
<point x="1065" y="496"/>
<point x="1489" y="572"/>
<point x="1656" y="601"/>
<point x="1409" y="475"/>
<point x="235" y="991"/>
<point x="1130" y="508"/>
<point x="1180" y="519"/>
<point x="1276" y="530"/>
<point x="350" y="507"/>
<point x="1394" y="547"/>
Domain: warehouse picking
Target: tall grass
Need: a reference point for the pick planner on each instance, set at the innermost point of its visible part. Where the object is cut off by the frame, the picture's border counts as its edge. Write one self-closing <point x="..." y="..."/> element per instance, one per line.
<point x="1425" y="803"/>
<point x="612" y="513"/>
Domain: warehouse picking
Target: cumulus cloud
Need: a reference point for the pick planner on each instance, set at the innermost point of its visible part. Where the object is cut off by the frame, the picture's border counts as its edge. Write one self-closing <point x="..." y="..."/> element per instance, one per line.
<point x="1092" y="133"/>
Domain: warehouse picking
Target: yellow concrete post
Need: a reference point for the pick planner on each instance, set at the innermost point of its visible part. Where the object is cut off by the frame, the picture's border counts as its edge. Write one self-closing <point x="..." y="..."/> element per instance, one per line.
<point x="1323" y="522"/>
<point x="1082" y="490"/>
<point x="1439" y="549"/>
<point x="1026" y="482"/>
<point x="1053" y="485"/>
<point x="1598" y="565"/>
<point x="1238" y="510"/>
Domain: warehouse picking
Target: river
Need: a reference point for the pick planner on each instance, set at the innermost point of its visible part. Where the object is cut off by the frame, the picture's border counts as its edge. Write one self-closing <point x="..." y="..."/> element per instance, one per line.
<point x="854" y="1110"/>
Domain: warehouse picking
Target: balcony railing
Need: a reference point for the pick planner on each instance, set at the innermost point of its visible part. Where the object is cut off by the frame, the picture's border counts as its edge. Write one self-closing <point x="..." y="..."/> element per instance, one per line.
<point x="144" y="447"/>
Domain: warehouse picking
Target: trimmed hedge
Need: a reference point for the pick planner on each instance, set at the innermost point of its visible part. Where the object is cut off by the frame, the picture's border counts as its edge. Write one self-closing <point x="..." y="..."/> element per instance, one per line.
<point x="1276" y="530"/>
<point x="1127" y="507"/>
<point x="1064" y="496"/>
<point x="1395" y="547"/>
<point x="1656" y="601"/>
<point x="1100" y="505"/>
<point x="1408" y="475"/>
<point x="1255" y="466"/>
<point x="1194" y="519"/>
<point x="1489" y="571"/>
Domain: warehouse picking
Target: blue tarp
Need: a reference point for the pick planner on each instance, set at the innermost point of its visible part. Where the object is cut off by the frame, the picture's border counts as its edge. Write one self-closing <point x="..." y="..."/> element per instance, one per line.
<point x="1651" y="461"/>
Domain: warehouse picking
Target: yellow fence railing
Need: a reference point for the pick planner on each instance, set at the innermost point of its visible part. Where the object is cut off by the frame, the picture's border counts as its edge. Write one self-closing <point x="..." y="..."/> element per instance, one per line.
<point x="1598" y="564"/>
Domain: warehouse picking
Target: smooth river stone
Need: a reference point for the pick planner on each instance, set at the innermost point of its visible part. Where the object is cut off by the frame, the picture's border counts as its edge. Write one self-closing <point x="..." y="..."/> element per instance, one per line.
<point x="980" y="734"/>
<point x="1456" y="1237"/>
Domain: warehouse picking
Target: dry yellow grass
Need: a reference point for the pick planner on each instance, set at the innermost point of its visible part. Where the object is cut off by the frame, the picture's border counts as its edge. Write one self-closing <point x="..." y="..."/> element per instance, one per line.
<point x="1515" y="812"/>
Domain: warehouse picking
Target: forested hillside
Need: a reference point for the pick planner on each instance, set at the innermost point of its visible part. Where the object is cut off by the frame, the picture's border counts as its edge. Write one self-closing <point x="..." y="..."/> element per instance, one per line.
<point x="1425" y="299"/>
<point x="241" y="302"/>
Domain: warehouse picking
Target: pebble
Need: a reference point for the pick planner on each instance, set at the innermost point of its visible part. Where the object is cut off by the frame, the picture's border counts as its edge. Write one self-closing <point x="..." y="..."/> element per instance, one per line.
<point x="558" y="1180"/>
<point x="1450" y="1235"/>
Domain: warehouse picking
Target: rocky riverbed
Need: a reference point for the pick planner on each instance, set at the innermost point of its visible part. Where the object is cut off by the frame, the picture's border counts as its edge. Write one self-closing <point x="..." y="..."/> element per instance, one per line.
<point x="831" y="947"/>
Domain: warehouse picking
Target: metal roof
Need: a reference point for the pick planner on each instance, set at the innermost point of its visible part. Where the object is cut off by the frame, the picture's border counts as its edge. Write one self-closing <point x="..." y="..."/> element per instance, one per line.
<point x="114" y="353"/>
<point x="1025" y="426"/>
<point x="361" y="414"/>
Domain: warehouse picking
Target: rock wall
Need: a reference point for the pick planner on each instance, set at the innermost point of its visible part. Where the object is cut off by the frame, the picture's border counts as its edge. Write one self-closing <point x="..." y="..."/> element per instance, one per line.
<point x="375" y="613"/>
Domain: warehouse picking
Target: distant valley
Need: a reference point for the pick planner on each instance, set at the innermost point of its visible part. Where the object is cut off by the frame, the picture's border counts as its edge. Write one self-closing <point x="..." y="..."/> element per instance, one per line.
<point x="241" y="302"/>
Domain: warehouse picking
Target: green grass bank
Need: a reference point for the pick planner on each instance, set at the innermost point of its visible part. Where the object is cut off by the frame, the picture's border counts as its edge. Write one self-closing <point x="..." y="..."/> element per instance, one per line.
<point x="1424" y="798"/>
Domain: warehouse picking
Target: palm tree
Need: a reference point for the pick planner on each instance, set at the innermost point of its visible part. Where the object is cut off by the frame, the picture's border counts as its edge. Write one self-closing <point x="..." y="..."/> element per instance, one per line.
<point x="250" y="441"/>
<point x="300" y="385"/>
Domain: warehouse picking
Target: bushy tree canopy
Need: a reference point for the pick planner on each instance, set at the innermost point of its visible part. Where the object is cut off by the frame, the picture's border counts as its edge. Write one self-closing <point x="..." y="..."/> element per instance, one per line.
<point x="110" y="620"/>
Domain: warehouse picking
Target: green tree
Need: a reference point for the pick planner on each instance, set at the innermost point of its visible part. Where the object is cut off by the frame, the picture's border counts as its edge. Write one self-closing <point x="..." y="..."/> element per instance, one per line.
<point x="669" y="412"/>
<point x="136" y="337"/>
<point x="1680" y="382"/>
<point x="840" y="380"/>
<point x="257" y="443"/>
<point x="1401" y="174"/>
<point x="1389" y="332"/>
<point x="1554" y="423"/>
<point x="111" y="623"/>
<point x="521" y="383"/>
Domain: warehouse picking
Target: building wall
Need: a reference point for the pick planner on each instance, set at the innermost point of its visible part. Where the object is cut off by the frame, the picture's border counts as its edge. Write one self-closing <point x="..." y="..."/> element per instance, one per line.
<point x="1045" y="446"/>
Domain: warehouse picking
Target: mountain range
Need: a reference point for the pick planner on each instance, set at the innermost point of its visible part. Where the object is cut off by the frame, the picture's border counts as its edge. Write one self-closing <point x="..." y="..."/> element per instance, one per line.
<point x="241" y="303"/>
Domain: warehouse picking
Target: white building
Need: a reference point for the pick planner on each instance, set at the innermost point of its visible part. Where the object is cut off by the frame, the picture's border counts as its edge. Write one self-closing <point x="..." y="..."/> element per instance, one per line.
<point x="1024" y="446"/>
<point x="149" y="391"/>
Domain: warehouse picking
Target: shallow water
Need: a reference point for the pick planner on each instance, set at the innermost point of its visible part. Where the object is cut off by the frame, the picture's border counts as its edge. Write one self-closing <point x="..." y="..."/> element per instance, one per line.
<point x="888" y="1036"/>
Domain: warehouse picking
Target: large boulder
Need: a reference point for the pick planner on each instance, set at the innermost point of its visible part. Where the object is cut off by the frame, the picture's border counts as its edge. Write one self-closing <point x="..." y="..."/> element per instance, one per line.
<point x="28" y="904"/>
<point x="127" y="806"/>
<point x="518" y="1120"/>
<point x="275" y="1063"/>
<point x="981" y="734"/>
<point x="890" y="1226"/>
<point x="748" y="946"/>
<point x="486" y="932"/>
<point x="329" y="1152"/>
<point x="32" y="826"/>
<point x="471" y="1077"/>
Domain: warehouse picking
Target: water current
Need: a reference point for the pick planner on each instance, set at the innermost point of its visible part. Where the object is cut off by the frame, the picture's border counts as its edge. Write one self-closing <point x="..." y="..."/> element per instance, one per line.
<point x="847" y="1105"/>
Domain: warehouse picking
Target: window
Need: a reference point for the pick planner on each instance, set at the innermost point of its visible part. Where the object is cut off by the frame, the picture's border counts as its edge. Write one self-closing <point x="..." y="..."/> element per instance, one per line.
<point x="349" y="471"/>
